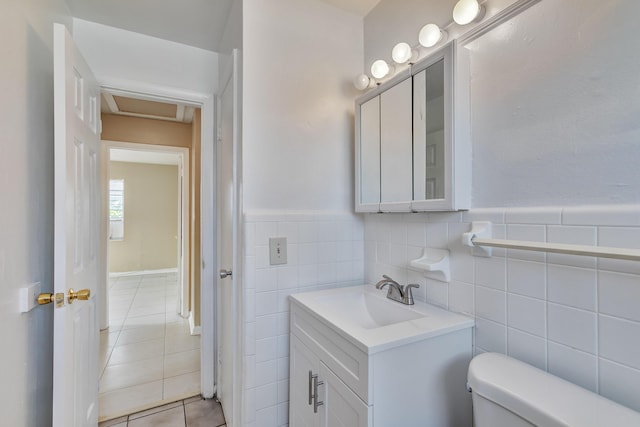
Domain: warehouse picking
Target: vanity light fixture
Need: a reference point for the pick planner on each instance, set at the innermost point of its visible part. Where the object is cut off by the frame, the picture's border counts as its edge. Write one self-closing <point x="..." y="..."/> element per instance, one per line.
<point x="430" y="35"/>
<point x="362" y="81"/>
<point x="403" y="53"/>
<point x="467" y="11"/>
<point x="380" y="69"/>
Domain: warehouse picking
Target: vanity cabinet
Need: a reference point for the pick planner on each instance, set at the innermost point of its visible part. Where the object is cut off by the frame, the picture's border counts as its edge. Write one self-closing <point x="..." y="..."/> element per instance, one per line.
<point x="413" y="150"/>
<point x="414" y="384"/>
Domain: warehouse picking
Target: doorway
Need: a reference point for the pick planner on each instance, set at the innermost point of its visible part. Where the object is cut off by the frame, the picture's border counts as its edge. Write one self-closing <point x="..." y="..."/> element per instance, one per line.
<point x="150" y="348"/>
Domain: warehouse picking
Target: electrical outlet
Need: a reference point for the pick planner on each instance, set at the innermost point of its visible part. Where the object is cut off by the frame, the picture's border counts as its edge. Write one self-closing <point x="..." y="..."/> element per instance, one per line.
<point x="28" y="297"/>
<point x="278" y="250"/>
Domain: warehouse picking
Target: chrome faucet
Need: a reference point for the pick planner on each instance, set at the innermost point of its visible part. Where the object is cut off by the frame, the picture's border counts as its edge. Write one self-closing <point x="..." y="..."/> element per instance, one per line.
<point x="396" y="291"/>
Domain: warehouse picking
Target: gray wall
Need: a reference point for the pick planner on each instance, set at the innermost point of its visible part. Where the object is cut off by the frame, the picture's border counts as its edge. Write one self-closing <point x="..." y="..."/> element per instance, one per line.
<point x="26" y="185"/>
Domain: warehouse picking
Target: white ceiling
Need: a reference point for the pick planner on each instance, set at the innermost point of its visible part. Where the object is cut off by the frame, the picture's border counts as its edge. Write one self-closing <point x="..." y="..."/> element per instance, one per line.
<point x="198" y="23"/>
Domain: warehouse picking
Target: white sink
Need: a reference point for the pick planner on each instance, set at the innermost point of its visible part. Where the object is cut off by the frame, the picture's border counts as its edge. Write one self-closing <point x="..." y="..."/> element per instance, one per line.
<point x="364" y="309"/>
<point x="364" y="316"/>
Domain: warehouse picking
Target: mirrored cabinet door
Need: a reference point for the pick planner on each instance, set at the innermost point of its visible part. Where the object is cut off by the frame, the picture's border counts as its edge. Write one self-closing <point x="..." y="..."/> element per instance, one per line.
<point x="395" y="148"/>
<point x="369" y="173"/>
<point x="429" y="170"/>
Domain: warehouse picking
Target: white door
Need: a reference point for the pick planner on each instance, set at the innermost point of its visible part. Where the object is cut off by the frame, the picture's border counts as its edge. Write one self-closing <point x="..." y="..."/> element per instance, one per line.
<point x="76" y="236"/>
<point x="228" y="208"/>
<point x="303" y="363"/>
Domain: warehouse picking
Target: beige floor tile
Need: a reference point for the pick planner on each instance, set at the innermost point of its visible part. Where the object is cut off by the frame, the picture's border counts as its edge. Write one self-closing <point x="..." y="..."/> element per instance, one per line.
<point x="181" y="363"/>
<point x="136" y="322"/>
<point x="143" y="333"/>
<point x="204" y="413"/>
<point x="169" y="418"/>
<point x="120" y="421"/>
<point x="146" y="310"/>
<point x="130" y="374"/>
<point x="181" y="342"/>
<point x="155" y="410"/>
<point x="128" y="400"/>
<point x="108" y="339"/>
<point x="173" y="317"/>
<point x="180" y="327"/>
<point x="182" y="386"/>
<point x="136" y="351"/>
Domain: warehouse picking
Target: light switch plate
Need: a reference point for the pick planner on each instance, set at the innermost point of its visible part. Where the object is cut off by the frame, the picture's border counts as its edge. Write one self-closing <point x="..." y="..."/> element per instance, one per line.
<point x="278" y="250"/>
<point x="28" y="297"/>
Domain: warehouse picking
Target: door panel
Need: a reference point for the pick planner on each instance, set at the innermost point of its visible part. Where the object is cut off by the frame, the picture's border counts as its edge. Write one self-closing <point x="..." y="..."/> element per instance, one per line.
<point x="302" y="360"/>
<point x="76" y="231"/>
<point x="342" y="407"/>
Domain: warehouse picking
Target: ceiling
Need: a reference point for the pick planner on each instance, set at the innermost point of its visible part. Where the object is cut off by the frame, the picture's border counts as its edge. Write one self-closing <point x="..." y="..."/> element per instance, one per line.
<point x="136" y="107"/>
<point x="198" y="23"/>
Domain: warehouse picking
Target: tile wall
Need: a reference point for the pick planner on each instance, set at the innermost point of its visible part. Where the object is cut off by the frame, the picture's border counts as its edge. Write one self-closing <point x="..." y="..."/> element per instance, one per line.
<point x="576" y="317"/>
<point x="324" y="251"/>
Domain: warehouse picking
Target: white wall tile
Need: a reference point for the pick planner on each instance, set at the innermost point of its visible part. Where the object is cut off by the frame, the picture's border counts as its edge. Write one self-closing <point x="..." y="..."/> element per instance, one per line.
<point x="491" y="304"/>
<point x="527" y="314"/>
<point x="493" y="215"/>
<point x="438" y="293"/>
<point x="619" y="340"/>
<point x="262" y="256"/>
<point x="437" y="235"/>
<point x="616" y="215"/>
<point x="266" y="279"/>
<point x="282" y="368"/>
<point x="266" y="303"/>
<point x="287" y="277"/>
<point x="283" y="393"/>
<point x="266" y="412"/>
<point x="619" y="237"/>
<point x="266" y="349"/>
<point x="491" y="336"/>
<point x="572" y="286"/>
<point x="308" y="275"/>
<point x="573" y="365"/>
<point x="249" y="233"/>
<point x="573" y="235"/>
<point x="461" y="297"/>
<point x="528" y="348"/>
<point x="282" y="346"/>
<point x="266" y="230"/>
<point x="416" y="234"/>
<point x="249" y="268"/>
<point x="572" y="327"/>
<point x="266" y="326"/>
<point x="620" y="383"/>
<point x="619" y="295"/>
<point x="533" y="233"/>
<point x="265" y="373"/>
<point x="288" y="229"/>
<point x="250" y="371"/>
<point x="527" y="278"/>
<point x="491" y="272"/>
<point x="282" y="323"/>
<point x="307" y="232"/>
<point x="250" y="338"/>
<point x="398" y="234"/>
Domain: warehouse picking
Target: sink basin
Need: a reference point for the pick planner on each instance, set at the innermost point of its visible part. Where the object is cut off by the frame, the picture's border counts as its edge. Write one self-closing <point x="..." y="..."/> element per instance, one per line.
<point x="366" y="310"/>
<point x="371" y="321"/>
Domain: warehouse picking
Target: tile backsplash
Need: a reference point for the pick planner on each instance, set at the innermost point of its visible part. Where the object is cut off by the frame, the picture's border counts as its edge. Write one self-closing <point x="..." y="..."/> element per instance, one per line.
<point x="574" y="316"/>
<point x="577" y="317"/>
<point x="324" y="250"/>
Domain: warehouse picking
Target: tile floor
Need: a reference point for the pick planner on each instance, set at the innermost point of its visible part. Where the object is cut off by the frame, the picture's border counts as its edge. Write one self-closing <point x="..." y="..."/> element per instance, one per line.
<point x="147" y="356"/>
<point x="193" y="412"/>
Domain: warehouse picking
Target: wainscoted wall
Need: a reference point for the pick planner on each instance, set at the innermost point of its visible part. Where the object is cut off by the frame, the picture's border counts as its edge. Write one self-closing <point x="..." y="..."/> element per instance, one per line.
<point x="324" y="250"/>
<point x="576" y="317"/>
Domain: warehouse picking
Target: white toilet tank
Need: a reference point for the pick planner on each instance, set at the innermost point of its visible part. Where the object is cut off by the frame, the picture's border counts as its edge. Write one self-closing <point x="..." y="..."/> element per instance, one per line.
<point x="510" y="393"/>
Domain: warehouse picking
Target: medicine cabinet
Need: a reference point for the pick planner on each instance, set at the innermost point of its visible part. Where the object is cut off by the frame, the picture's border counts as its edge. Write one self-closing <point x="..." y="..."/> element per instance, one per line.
<point x="413" y="150"/>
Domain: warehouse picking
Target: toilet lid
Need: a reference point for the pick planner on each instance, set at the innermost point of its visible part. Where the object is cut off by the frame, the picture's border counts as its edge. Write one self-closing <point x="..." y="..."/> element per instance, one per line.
<point x="541" y="398"/>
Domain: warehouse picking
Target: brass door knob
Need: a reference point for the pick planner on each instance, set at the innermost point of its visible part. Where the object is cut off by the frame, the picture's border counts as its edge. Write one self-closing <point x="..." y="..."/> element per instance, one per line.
<point x="47" y="298"/>
<point x="82" y="295"/>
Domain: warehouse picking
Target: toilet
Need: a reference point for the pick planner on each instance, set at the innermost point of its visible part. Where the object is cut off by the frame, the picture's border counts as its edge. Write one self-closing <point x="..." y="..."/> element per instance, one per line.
<point x="510" y="393"/>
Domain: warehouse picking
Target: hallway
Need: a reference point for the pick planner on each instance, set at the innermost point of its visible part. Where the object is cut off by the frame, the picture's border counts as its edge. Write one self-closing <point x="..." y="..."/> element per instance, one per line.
<point x="147" y="356"/>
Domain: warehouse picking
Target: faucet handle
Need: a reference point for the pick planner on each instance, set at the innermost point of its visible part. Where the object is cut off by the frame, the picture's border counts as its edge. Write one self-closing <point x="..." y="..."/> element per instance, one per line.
<point x="408" y="295"/>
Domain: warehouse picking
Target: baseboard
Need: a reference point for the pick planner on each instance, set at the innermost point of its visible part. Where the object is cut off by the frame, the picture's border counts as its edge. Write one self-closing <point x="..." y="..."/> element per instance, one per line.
<point x="141" y="272"/>
<point x="195" y="330"/>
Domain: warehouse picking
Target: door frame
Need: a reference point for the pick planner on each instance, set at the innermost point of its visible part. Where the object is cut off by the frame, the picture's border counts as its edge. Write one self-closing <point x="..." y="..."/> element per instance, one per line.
<point x="184" y="239"/>
<point x="208" y="216"/>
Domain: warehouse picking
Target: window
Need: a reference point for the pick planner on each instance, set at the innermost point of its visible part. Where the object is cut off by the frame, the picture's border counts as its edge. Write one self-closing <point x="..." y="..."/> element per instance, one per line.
<point x="116" y="209"/>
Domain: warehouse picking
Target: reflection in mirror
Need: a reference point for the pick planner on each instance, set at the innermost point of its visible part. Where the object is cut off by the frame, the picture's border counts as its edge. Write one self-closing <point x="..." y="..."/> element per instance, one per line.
<point x="428" y="137"/>
<point x="370" y="151"/>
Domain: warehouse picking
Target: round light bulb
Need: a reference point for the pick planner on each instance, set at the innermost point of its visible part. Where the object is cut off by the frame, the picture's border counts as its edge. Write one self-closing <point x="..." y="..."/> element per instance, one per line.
<point x="430" y="35"/>
<point x="466" y="11"/>
<point x="401" y="53"/>
<point x="361" y="82"/>
<point x="379" y="69"/>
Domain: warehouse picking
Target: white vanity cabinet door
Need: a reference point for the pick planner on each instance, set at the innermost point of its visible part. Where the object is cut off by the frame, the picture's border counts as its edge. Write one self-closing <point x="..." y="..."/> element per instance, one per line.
<point x="342" y="407"/>
<point x="302" y="360"/>
<point x="396" y="177"/>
